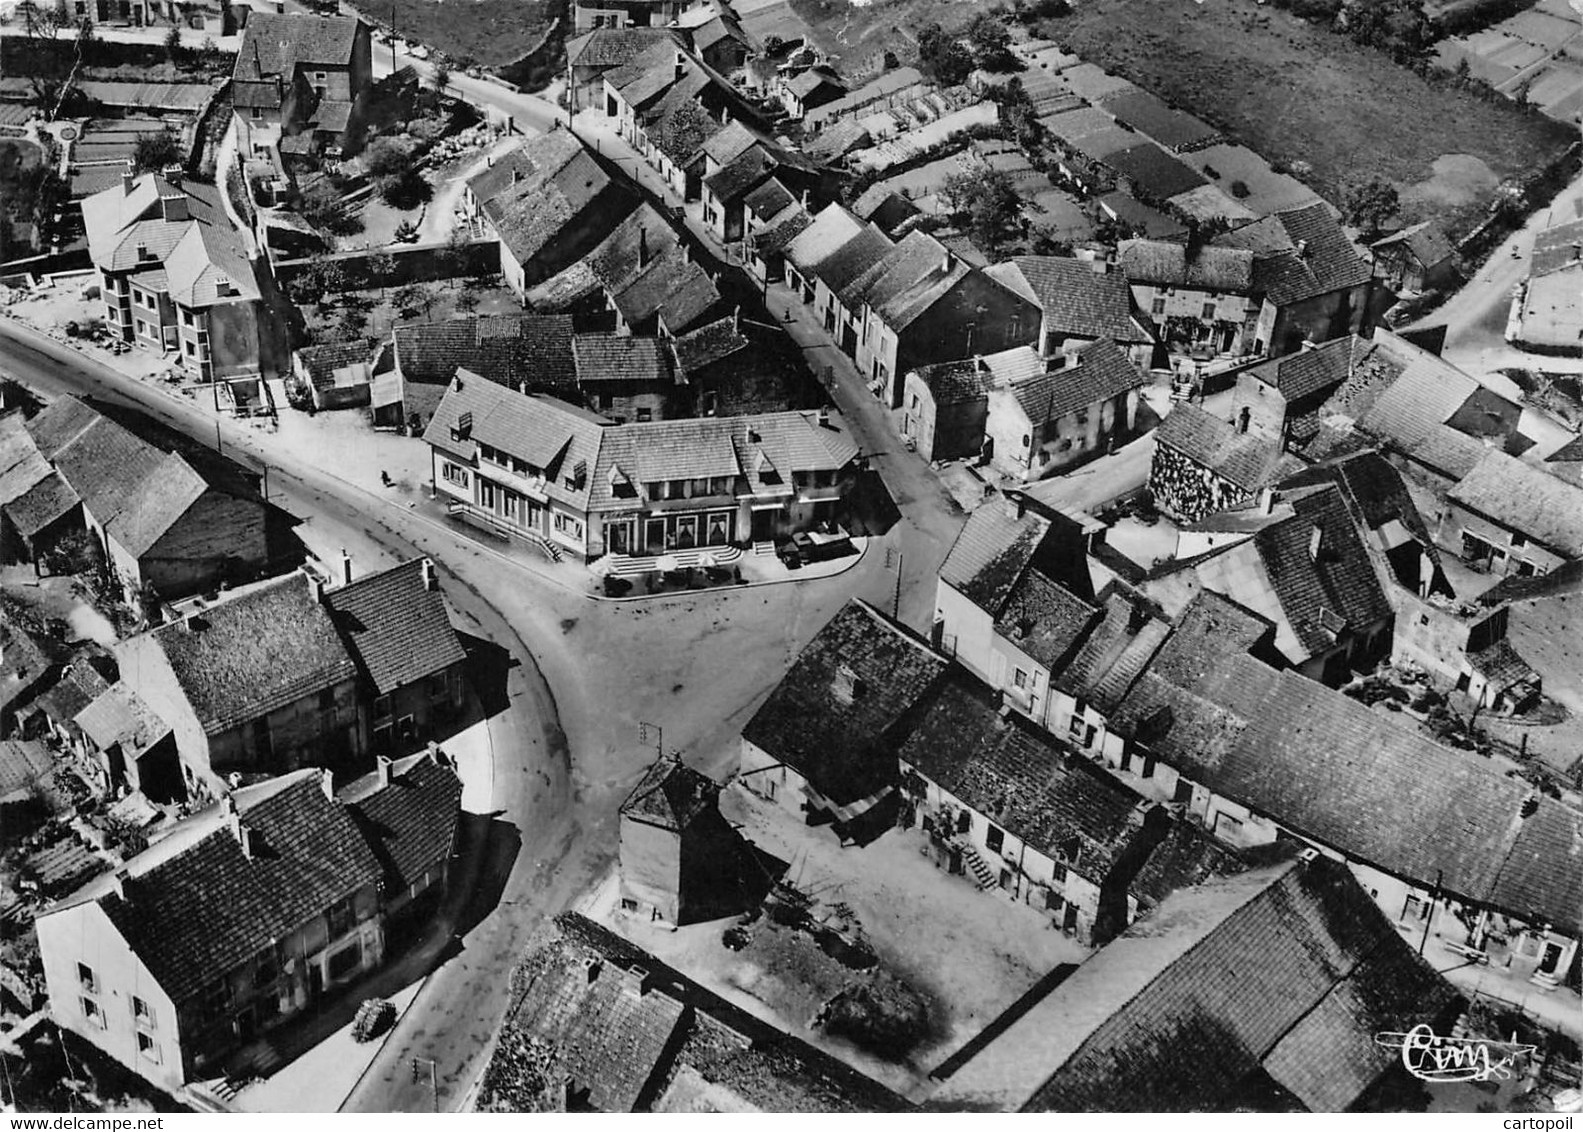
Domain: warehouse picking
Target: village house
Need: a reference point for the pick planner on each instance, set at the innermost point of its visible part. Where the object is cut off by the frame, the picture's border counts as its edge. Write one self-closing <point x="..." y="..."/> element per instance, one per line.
<point x="1202" y="465"/>
<point x="773" y="217"/>
<point x="1080" y="302"/>
<point x="1417" y="259"/>
<point x="566" y="479"/>
<point x="216" y="679"/>
<point x="548" y="201"/>
<point x="246" y="915"/>
<point x="681" y="861"/>
<point x="1550" y="309"/>
<point x="887" y="89"/>
<point x="1311" y="281"/>
<point x="302" y="74"/>
<point x="178" y="279"/>
<point x="1509" y="517"/>
<point x="130" y="746"/>
<point x="165" y="529"/>
<point x="826" y="256"/>
<point x="823" y="746"/>
<point x="1250" y="971"/>
<point x="635" y="1035"/>
<point x="1299" y="563"/>
<point x="26" y="669"/>
<point x="38" y="509"/>
<point x="1281" y="399"/>
<point x="1024" y="564"/>
<point x="337" y="375"/>
<point x="413" y="667"/>
<point x="945" y="406"/>
<point x="809" y="90"/>
<point x="726" y="188"/>
<point x="926" y="305"/>
<point x="523" y="351"/>
<point x="1467" y="856"/>
<point x="716" y="38"/>
<point x="1079" y="406"/>
<point x="1198" y="297"/>
<point x="596" y="50"/>
<point x="1002" y="803"/>
<point x="629" y="379"/>
<point x="885" y="208"/>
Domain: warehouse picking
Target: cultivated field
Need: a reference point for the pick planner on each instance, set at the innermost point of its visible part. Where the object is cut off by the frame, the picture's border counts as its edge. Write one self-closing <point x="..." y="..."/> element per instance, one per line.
<point x="490" y="33"/>
<point x="1314" y="102"/>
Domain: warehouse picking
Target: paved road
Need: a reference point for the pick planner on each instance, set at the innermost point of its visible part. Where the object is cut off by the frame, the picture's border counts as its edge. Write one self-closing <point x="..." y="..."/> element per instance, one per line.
<point x="530" y="113"/>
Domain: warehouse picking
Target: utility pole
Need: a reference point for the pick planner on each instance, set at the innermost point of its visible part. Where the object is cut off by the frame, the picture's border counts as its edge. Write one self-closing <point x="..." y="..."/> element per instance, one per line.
<point x="392" y="39"/>
<point x="894" y="560"/>
<point x="1434" y="897"/>
<point x="659" y="736"/>
<point x="219" y="446"/>
<point x="434" y="1084"/>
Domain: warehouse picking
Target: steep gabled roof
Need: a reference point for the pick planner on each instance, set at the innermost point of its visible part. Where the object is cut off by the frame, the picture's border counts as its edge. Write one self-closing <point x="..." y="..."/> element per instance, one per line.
<point x="408" y="812"/>
<point x="991" y="552"/>
<point x="1281" y="976"/>
<point x="1526" y="499"/>
<point x="1079" y="300"/>
<point x="1242" y="459"/>
<point x="1300" y="254"/>
<point x="1098" y="373"/>
<point x="513" y="350"/>
<point x="396" y="625"/>
<point x="1165" y="263"/>
<point x="832" y="718"/>
<point x="277" y="43"/>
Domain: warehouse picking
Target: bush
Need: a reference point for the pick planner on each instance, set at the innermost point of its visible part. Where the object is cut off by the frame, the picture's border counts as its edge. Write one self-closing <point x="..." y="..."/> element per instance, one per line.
<point x="404" y="190"/>
<point x="1240" y="190"/>
<point x="883" y="1015"/>
<point x="153" y="152"/>
<point x="386" y="157"/>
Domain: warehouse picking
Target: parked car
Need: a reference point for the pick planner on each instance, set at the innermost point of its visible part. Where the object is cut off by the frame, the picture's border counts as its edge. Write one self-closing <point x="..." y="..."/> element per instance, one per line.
<point x="807" y="546"/>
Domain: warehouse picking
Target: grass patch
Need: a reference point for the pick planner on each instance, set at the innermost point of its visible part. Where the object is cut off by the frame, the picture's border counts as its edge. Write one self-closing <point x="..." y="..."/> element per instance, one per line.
<point x="1309" y="100"/>
<point x="490" y="33"/>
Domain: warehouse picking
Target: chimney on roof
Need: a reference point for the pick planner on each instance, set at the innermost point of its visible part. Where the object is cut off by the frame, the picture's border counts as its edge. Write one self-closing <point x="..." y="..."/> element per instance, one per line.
<point x="327" y="784"/>
<point x="174" y="208"/>
<point x="805" y="200"/>
<point x="1316" y="539"/>
<point x="846" y="685"/>
<point x="1266" y="500"/>
<point x="591" y="966"/>
<point x="346" y="567"/>
<point x="679" y="72"/>
<point x="280" y="7"/>
<point x="173" y="175"/>
<point x="430" y="583"/>
<point x="947" y="262"/>
<point x="1014" y="504"/>
<point x="736" y="320"/>
<point x="143" y="255"/>
<point x="516" y="175"/>
<point x="128" y="179"/>
<point x="1302" y="248"/>
<point x="636" y="981"/>
<point x="382" y="768"/>
<point x="687" y="252"/>
<point x="1309" y="344"/>
<point x="824" y="416"/>
<point x="643" y="246"/>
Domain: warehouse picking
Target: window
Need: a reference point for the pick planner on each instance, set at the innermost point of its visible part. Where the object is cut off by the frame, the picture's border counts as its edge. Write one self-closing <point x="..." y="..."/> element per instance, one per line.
<point x="1518" y="540"/>
<point x="256" y="113"/>
<point x="85" y="976"/>
<point x="1076" y="724"/>
<point x="319" y="76"/>
<point x="568" y="526"/>
<point x="192" y="351"/>
<point x="141" y="1014"/>
<point x="327" y="699"/>
<point x="1209" y="311"/>
<point x="1158" y="306"/>
<point x="91" y="1011"/>
<point x="1027" y="440"/>
<point x="382" y="707"/>
<point x="345" y="961"/>
<point x="1020" y="679"/>
<point x="340" y="917"/>
<point x="450" y="473"/>
<point x="486" y="493"/>
<point x="147" y="1047"/>
<point x="995" y="839"/>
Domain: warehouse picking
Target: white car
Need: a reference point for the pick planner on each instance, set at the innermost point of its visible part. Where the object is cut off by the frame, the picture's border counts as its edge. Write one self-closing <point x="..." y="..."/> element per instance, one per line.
<point x="418" y="51"/>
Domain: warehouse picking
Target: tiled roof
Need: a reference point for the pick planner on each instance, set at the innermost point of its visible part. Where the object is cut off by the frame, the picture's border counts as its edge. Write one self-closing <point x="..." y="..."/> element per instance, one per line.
<point x="119" y="715"/>
<point x="1375" y="488"/>
<point x="408" y="813"/>
<point x="672" y="288"/>
<point x="642" y="237"/>
<point x="1187" y="856"/>
<point x="1126" y="637"/>
<point x="670" y="795"/>
<point x="1098" y="373"/>
<point x="196" y="906"/>
<point x="227" y="658"/>
<point x="768" y="241"/>
<point x="1044" y="619"/>
<point x="1288" y="971"/>
<point x="622" y="358"/>
<point x="991" y="552"/>
<point x="321" y="362"/>
<point x="133" y="490"/>
<point x="682" y="126"/>
<point x="278" y="43"/>
<point x="1020" y="779"/>
<point x="830" y="231"/>
<point x="44" y="502"/>
<point x="879" y="204"/>
<point x="1242" y="459"/>
<point x="1425" y="242"/>
<point x="742" y="174"/>
<point x="1154" y="171"/>
<point x="1164" y="263"/>
<point x="535" y="349"/>
<point x="1300" y="254"/>
<point x="708" y="344"/>
<point x="539" y="189"/>
<point x="1078" y="300"/>
<point x="633" y="1033"/>
<point x="22" y="763"/>
<point x="868" y="247"/>
<point x="1557" y="248"/>
<point x="1309" y="372"/>
<point x="953" y="383"/>
<point x="768" y="199"/>
<point x="843" y="744"/>
<point x="397" y="628"/>
<point x="902" y="266"/>
<point x="1525" y="499"/>
<point x="79" y="685"/>
<point x="557" y="437"/>
<point x="613" y="47"/>
<point x="837" y="140"/>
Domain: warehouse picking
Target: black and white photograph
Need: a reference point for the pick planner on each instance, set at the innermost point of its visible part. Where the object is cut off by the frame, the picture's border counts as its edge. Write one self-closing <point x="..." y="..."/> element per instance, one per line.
<point x="790" y="556"/>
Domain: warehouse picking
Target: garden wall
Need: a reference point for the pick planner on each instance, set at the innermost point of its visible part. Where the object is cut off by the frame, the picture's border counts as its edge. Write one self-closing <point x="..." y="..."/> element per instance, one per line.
<point x="415" y="263"/>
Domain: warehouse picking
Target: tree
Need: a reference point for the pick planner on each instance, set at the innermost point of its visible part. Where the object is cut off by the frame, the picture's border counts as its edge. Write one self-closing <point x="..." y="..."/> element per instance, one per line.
<point x="173" y="44"/>
<point x="442" y="77"/>
<point x="208" y="51"/>
<point x="351" y="325"/>
<point x="1369" y="204"/>
<point x="991" y="42"/>
<point x="404" y="190"/>
<point x="943" y="57"/>
<point x="386" y="157"/>
<point x="454" y="257"/>
<point x="156" y="151"/>
<point x="986" y="201"/>
<point x="382" y="267"/>
<point x="467" y="301"/>
<point x="412" y="298"/>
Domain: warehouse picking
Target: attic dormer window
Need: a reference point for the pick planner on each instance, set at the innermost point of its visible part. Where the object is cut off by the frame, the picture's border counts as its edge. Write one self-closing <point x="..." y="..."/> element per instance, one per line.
<point x="846" y="685"/>
<point x="463" y="428"/>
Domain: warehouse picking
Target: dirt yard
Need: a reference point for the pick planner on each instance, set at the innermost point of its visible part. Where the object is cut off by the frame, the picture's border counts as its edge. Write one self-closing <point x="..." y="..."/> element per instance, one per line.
<point x="970" y="953"/>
